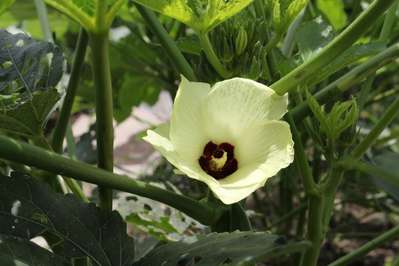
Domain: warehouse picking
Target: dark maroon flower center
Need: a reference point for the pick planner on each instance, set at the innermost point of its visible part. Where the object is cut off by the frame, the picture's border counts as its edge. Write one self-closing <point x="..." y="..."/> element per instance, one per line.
<point x="218" y="160"/>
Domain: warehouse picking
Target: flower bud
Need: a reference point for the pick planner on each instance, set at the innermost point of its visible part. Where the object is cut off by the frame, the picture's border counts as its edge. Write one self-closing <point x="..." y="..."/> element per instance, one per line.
<point x="241" y="41"/>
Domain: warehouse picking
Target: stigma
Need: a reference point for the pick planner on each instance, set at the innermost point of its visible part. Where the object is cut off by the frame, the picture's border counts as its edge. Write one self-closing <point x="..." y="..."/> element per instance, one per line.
<point x="218" y="160"/>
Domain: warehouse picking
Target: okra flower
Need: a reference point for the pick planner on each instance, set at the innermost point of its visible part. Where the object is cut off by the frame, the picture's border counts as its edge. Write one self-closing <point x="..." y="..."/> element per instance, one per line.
<point x="228" y="136"/>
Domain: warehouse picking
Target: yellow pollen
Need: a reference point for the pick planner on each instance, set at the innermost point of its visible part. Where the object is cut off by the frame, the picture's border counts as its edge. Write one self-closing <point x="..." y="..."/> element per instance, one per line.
<point x="217" y="164"/>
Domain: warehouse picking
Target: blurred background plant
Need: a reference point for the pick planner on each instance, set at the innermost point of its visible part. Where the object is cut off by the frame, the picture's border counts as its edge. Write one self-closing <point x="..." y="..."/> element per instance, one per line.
<point x="264" y="42"/>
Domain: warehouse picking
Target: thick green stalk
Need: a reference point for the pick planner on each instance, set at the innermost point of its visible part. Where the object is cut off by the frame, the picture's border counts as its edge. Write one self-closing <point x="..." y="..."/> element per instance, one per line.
<point x="168" y="44"/>
<point x="100" y="22"/>
<point x="365" y="144"/>
<point x="31" y="155"/>
<point x="65" y="113"/>
<point x="332" y="50"/>
<point x="315" y="232"/>
<point x="104" y="109"/>
<point x="388" y="236"/>
<point x="44" y="22"/>
<point x="212" y="57"/>
<point x="336" y="88"/>
<point x="72" y="184"/>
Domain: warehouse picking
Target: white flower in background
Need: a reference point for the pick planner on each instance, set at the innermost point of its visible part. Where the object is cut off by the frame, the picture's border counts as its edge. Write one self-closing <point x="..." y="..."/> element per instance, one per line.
<point x="227" y="136"/>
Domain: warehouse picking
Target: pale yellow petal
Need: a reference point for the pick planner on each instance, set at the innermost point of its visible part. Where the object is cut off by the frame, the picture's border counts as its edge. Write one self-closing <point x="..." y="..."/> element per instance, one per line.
<point x="186" y="131"/>
<point x="230" y="195"/>
<point x="159" y="138"/>
<point x="268" y="146"/>
<point x="236" y="104"/>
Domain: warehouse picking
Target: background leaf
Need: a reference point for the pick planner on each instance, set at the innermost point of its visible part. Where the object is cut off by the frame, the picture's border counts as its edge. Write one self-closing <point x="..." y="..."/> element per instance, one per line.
<point x="4" y="4"/>
<point x="28" y="65"/>
<point x="199" y="14"/>
<point x="312" y="36"/>
<point x="18" y="251"/>
<point x="334" y="10"/>
<point x="78" y="230"/>
<point x="28" y="76"/>
<point x="234" y="248"/>
<point x="28" y="119"/>
<point x="389" y="162"/>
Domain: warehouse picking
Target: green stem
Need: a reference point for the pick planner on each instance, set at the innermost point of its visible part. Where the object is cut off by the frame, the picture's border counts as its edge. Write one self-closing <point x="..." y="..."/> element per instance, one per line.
<point x="329" y="190"/>
<point x="72" y="184"/>
<point x="168" y="44"/>
<point x="332" y="50"/>
<point x="31" y="155"/>
<point x="272" y="43"/>
<point x="70" y="141"/>
<point x="211" y="55"/>
<point x="113" y="10"/>
<point x="315" y="232"/>
<point x="43" y="16"/>
<point x="388" y="236"/>
<point x="100" y="24"/>
<point x="365" y="144"/>
<point x="104" y="109"/>
<point x="289" y="40"/>
<point x="342" y="84"/>
<point x="389" y="22"/>
<point x="65" y="113"/>
<point x="44" y="22"/>
<point x="73" y="11"/>
<point x="301" y="161"/>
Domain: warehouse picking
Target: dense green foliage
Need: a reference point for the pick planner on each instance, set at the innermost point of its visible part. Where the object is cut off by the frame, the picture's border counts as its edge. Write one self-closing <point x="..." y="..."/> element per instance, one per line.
<point x="337" y="61"/>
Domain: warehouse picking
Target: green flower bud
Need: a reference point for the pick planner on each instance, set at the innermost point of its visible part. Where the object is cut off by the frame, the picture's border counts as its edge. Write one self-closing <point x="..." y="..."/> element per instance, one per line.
<point x="241" y="41"/>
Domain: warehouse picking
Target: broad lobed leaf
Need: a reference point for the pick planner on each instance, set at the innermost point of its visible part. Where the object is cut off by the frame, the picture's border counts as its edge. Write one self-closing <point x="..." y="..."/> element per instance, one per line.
<point x="29" y="72"/>
<point x="237" y="248"/>
<point x="19" y="251"/>
<point x="28" y="65"/>
<point x="201" y="15"/>
<point x="75" y="229"/>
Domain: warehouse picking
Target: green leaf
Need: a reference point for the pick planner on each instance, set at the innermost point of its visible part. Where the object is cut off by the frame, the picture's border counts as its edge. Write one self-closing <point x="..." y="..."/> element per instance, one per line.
<point x="389" y="162"/>
<point x="28" y="74"/>
<point x="342" y="116"/>
<point x="4" y="4"/>
<point x="27" y="65"/>
<point x="312" y="36"/>
<point x="135" y="90"/>
<point x="29" y="118"/>
<point x="237" y="248"/>
<point x="350" y="56"/>
<point x="284" y="12"/>
<point x="201" y="15"/>
<point x="84" y="11"/>
<point x="78" y="230"/>
<point x="25" y="12"/>
<point x="19" y="251"/>
<point x="293" y="10"/>
<point x="318" y="112"/>
<point x="156" y="228"/>
<point x="189" y="45"/>
<point x="334" y="10"/>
